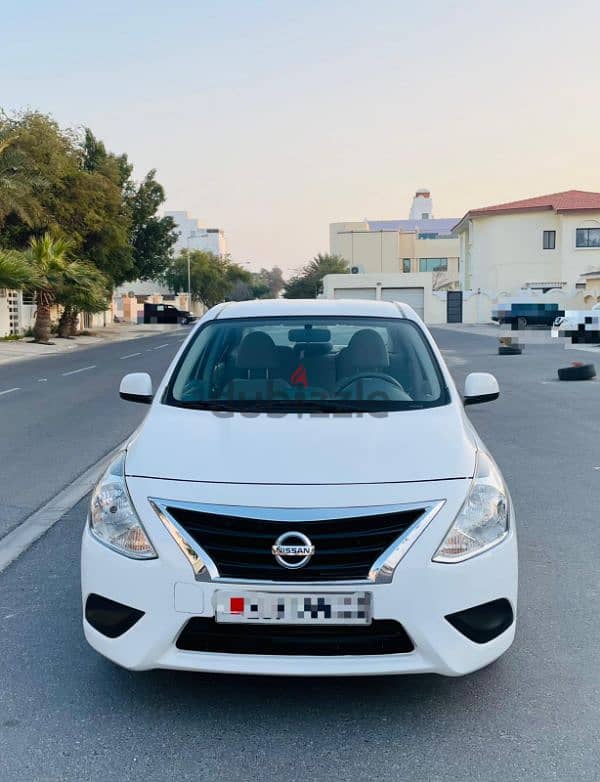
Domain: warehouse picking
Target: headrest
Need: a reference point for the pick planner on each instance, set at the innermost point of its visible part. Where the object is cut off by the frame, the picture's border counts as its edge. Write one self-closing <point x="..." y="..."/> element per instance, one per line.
<point x="257" y="351"/>
<point x="309" y="349"/>
<point x="366" y="350"/>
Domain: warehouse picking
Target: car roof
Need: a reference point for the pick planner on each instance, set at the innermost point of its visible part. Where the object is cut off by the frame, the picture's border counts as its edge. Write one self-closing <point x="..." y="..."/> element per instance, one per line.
<point x="315" y="307"/>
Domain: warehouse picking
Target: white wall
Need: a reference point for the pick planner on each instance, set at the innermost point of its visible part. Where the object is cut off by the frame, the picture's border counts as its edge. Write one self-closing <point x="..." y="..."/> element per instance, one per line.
<point x="576" y="260"/>
<point x="4" y="314"/>
<point x="377" y="282"/>
<point x="501" y="253"/>
<point x="477" y="305"/>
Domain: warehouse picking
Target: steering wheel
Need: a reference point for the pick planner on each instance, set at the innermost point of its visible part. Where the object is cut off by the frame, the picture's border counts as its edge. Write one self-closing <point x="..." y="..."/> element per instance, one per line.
<point x="345" y="382"/>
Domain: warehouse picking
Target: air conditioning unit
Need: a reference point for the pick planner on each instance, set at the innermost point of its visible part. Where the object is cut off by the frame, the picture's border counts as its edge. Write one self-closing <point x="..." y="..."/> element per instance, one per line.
<point x="357" y="270"/>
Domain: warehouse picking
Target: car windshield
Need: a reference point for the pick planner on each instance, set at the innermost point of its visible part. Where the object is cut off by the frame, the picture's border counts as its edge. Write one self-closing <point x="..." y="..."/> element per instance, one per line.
<point x="297" y="364"/>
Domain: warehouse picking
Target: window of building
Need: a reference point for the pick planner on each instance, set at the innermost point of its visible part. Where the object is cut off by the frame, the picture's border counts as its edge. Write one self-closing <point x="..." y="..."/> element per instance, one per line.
<point x="587" y="237"/>
<point x="549" y="241"/>
<point x="433" y="264"/>
<point x="428" y="235"/>
<point x="406" y="265"/>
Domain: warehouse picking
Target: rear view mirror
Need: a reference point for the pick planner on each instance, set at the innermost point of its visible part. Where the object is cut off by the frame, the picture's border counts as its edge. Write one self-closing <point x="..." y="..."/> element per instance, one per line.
<point x="136" y="387"/>
<point x="480" y="387"/>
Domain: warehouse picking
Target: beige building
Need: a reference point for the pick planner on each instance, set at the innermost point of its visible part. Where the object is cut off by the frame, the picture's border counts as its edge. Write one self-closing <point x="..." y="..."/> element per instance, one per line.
<point x="415" y="246"/>
<point x="537" y="244"/>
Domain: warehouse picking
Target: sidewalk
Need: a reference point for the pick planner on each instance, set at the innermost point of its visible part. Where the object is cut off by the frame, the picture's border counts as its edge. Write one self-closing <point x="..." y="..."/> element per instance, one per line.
<point x="23" y="349"/>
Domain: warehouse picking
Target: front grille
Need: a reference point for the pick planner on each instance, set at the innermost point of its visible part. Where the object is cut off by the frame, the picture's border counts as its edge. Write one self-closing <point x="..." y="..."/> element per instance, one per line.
<point x="382" y="636"/>
<point x="345" y="548"/>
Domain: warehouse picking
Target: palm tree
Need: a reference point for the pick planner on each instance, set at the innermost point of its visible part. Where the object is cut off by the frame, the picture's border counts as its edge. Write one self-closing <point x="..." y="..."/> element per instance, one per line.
<point x="15" y="272"/>
<point x="84" y="289"/>
<point x="48" y="261"/>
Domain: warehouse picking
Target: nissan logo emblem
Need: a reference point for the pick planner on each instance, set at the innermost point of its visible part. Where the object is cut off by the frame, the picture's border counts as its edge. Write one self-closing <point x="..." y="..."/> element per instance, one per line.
<point x="292" y="550"/>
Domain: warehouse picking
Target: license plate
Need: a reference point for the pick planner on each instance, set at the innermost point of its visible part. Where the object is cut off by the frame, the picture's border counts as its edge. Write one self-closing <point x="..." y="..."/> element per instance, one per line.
<point x="293" y="608"/>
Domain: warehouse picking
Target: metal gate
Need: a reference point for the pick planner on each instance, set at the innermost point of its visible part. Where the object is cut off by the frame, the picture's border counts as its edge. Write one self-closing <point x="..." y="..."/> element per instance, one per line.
<point x="454" y="306"/>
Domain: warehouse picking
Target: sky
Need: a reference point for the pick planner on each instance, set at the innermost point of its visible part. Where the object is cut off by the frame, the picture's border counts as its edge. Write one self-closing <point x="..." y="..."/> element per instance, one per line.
<point x="272" y="119"/>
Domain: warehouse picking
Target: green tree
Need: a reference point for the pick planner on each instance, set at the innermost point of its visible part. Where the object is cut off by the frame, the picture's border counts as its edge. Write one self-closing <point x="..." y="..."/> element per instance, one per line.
<point x="306" y="283"/>
<point x="213" y="278"/>
<point x="17" y="180"/>
<point x="152" y="237"/>
<point x="66" y="183"/>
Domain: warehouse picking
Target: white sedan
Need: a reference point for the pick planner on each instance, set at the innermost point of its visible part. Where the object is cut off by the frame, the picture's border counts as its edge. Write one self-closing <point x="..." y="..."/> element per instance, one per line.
<point x="306" y="496"/>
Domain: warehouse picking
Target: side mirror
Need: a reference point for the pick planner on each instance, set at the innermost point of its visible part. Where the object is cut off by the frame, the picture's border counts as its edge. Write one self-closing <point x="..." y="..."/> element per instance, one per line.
<point x="480" y="387"/>
<point x="136" y="387"/>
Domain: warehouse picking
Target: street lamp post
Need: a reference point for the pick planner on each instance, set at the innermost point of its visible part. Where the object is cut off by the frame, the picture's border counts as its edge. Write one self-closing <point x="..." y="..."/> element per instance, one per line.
<point x="189" y="273"/>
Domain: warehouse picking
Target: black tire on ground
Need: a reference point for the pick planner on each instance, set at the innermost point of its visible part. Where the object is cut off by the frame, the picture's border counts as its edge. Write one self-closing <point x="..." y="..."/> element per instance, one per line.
<point x="584" y="372"/>
<point x="510" y="350"/>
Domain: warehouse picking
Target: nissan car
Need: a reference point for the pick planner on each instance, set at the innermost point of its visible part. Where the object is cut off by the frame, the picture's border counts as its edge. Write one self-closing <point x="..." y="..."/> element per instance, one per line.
<point x="306" y="496"/>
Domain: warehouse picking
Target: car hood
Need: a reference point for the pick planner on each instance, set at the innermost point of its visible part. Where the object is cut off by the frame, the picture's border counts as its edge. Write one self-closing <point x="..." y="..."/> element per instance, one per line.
<point x="197" y="445"/>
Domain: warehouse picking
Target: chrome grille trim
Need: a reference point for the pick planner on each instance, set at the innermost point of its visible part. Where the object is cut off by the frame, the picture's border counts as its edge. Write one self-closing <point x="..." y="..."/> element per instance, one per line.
<point x="381" y="572"/>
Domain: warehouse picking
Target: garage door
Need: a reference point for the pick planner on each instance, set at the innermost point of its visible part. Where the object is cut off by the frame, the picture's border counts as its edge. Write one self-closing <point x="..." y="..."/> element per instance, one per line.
<point x="354" y="293"/>
<point x="411" y="296"/>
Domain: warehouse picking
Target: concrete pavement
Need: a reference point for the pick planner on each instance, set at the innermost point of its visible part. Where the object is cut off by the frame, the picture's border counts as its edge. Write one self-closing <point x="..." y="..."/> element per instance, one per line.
<point x="67" y="714"/>
<point x="61" y="414"/>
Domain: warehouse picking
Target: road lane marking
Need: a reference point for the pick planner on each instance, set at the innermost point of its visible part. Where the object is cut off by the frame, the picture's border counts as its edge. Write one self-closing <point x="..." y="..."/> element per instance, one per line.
<point x="9" y="391"/>
<point x="161" y="346"/>
<point x="42" y="379"/>
<point x="130" y="355"/>
<point x="75" y="371"/>
<point x="33" y="527"/>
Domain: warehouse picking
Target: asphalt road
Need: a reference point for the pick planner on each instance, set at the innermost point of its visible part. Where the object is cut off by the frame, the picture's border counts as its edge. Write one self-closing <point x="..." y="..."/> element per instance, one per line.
<point x="60" y="414"/>
<point x="67" y="714"/>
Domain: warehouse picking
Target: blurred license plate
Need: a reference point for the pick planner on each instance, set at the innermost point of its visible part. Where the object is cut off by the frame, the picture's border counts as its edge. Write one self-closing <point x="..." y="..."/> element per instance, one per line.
<point x="293" y="608"/>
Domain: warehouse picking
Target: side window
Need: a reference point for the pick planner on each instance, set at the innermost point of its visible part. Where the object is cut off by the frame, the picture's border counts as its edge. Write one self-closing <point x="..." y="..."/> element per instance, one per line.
<point x="549" y="240"/>
<point x="406" y="265"/>
<point x="587" y="237"/>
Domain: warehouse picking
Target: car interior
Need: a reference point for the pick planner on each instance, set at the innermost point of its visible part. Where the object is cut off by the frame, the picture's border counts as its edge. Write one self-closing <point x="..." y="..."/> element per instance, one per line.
<point x="262" y="360"/>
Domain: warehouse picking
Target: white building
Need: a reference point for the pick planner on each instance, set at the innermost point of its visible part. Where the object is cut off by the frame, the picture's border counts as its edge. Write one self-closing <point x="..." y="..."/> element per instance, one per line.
<point x="538" y="243"/>
<point x="420" y="244"/>
<point x="422" y="205"/>
<point x="193" y="236"/>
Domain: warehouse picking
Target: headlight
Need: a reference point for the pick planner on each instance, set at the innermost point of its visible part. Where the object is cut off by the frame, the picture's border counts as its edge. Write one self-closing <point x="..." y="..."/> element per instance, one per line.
<point x="482" y="522"/>
<point x="112" y="517"/>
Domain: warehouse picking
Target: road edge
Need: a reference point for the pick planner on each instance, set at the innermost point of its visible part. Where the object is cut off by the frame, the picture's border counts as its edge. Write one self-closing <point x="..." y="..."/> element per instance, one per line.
<point x="18" y="540"/>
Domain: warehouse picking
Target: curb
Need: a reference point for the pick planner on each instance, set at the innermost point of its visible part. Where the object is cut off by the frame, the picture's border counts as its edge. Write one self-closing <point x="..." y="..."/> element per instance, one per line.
<point x="18" y="540"/>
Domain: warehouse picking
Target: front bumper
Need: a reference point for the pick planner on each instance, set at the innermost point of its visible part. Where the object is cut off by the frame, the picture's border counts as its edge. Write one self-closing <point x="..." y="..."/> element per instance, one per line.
<point x="420" y="596"/>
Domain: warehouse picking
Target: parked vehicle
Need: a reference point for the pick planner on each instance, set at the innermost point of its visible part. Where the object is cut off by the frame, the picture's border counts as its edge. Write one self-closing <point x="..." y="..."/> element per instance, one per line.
<point x="522" y="314"/>
<point x="580" y="326"/>
<point x="166" y="313"/>
<point x="306" y="496"/>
